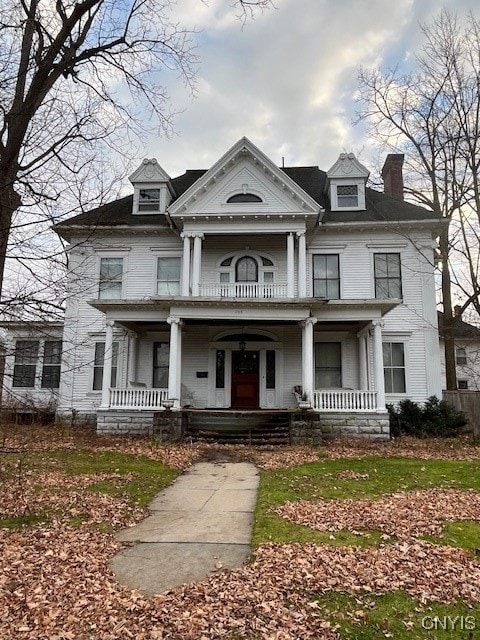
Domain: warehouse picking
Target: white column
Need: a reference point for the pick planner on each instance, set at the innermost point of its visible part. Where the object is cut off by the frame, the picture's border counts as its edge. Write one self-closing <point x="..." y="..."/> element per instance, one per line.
<point x="362" y="360"/>
<point x="378" y="364"/>
<point x="197" y="263"/>
<point x="107" y="364"/>
<point x="186" y="265"/>
<point x="175" y="360"/>
<point x="290" y="266"/>
<point x="308" y="357"/>
<point x="132" y="357"/>
<point x="302" y="265"/>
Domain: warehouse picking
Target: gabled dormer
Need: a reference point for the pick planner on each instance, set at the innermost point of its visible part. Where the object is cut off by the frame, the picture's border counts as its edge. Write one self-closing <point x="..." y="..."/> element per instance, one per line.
<point x="346" y="182"/>
<point x="152" y="188"/>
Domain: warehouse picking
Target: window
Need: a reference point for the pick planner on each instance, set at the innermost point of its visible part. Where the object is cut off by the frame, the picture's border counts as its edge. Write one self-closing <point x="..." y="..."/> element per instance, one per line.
<point x="168" y="276"/>
<point x="270" y="369"/>
<point x="388" y="278"/>
<point x="394" y="367"/>
<point x="328" y="365"/>
<point x="462" y="384"/>
<point x="244" y="197"/>
<point x="326" y="276"/>
<point x="98" y="365"/>
<point x="25" y="365"/>
<point x="460" y="355"/>
<point x="149" y="200"/>
<point x="347" y="196"/>
<point x="111" y="275"/>
<point x="161" y="357"/>
<point x="52" y="354"/>
<point x="246" y="270"/>
<point x="220" y="369"/>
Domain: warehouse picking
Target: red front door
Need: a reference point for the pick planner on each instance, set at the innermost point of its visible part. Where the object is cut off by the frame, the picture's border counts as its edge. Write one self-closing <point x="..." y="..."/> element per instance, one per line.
<point x="245" y="379"/>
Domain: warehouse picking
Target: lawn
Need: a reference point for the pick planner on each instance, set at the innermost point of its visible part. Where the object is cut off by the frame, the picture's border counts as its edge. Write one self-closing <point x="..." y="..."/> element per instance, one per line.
<point x="352" y="541"/>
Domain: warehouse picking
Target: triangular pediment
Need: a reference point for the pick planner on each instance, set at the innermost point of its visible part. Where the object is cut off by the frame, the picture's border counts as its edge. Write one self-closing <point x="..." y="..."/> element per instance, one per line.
<point x="149" y="171"/>
<point x="244" y="169"/>
<point x="347" y="166"/>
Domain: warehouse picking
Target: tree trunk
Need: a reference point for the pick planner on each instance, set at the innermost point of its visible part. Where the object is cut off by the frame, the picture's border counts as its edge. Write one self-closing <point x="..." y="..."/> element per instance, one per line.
<point x="448" y="317"/>
<point x="9" y="203"/>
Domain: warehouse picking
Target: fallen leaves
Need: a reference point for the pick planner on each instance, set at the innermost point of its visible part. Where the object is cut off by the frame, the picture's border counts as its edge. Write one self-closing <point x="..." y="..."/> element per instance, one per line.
<point x="404" y="514"/>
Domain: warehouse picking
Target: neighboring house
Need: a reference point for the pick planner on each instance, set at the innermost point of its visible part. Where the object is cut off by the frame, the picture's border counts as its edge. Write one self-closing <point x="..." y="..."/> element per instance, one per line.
<point x="244" y="287"/>
<point x="32" y="362"/>
<point x="467" y="354"/>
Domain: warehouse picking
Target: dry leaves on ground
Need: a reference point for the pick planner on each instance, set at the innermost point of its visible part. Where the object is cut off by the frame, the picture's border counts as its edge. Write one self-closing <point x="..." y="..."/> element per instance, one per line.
<point x="404" y="514"/>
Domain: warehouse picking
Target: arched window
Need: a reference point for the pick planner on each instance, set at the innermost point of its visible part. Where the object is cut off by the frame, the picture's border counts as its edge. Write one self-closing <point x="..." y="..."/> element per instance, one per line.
<point x="246" y="269"/>
<point x="244" y="197"/>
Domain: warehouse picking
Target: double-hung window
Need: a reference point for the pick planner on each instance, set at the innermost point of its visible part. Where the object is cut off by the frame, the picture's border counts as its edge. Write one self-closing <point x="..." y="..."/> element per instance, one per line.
<point x="460" y="356"/>
<point x="25" y="364"/>
<point x="161" y="356"/>
<point x="388" y="275"/>
<point x="52" y="354"/>
<point x="168" y="275"/>
<point x="328" y="365"/>
<point x="98" y="365"/>
<point x="149" y="200"/>
<point x="394" y="367"/>
<point x="347" y="196"/>
<point x="111" y="277"/>
<point x="326" y="276"/>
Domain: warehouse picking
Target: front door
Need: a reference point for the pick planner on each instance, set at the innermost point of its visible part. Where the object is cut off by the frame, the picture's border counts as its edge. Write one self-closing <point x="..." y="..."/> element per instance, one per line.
<point x="245" y="379"/>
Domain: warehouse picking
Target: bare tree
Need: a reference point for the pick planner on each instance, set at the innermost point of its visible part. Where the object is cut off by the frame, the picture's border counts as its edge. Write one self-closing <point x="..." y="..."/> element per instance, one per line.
<point x="77" y="80"/>
<point x="433" y="116"/>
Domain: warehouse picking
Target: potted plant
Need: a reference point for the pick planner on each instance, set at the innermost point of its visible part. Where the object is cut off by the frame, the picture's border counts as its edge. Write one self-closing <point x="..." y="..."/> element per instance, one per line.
<point x="304" y="403"/>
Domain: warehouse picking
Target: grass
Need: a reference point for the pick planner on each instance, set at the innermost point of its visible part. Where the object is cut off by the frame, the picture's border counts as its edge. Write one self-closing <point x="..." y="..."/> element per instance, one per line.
<point x="319" y="480"/>
<point x="399" y="616"/>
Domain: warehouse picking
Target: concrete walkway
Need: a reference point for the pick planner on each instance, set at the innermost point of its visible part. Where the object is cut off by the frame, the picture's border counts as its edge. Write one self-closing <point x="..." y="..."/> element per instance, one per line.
<point x="200" y="524"/>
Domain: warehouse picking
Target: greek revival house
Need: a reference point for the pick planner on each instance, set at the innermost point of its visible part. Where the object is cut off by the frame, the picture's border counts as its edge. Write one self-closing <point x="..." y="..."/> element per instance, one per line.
<point x="251" y="288"/>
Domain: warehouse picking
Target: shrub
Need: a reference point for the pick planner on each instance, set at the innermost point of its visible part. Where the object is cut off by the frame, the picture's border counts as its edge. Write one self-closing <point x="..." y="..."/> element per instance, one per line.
<point x="436" y="418"/>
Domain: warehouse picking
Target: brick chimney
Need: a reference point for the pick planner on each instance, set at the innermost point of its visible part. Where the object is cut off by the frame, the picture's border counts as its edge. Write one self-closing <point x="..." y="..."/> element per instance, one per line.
<point x="393" y="176"/>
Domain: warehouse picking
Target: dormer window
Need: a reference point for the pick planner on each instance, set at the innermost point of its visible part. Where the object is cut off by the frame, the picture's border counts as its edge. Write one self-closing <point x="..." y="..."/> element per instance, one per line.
<point x="149" y="200"/>
<point x="244" y="197"/>
<point x="347" y="196"/>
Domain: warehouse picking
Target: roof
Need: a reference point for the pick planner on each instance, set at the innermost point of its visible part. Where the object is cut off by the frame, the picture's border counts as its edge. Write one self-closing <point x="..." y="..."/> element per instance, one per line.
<point x="380" y="207"/>
<point x="463" y="330"/>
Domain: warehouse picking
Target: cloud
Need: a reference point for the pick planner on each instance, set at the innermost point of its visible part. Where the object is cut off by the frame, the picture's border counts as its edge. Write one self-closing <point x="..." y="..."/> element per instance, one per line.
<point x="287" y="80"/>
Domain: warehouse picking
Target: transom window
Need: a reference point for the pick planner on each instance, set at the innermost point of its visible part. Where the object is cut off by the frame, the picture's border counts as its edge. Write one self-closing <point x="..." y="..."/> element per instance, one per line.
<point x="388" y="276"/>
<point x="394" y="367"/>
<point x="168" y="276"/>
<point x="326" y="276"/>
<point x="149" y="200"/>
<point x="244" y="197"/>
<point x="347" y="196"/>
<point x="111" y="275"/>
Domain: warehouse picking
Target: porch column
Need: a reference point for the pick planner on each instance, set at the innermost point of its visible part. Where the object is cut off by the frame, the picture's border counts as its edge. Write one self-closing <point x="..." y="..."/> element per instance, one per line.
<point x="378" y="363"/>
<point x="186" y="265"/>
<point x="302" y="265"/>
<point x="362" y="359"/>
<point x="197" y="263"/>
<point x="107" y="364"/>
<point x="132" y="357"/>
<point x="175" y="360"/>
<point x="290" y="266"/>
<point x="307" y="357"/>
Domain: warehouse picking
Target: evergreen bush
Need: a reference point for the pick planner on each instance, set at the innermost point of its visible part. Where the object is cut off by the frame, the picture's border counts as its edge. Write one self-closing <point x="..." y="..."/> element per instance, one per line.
<point x="436" y="418"/>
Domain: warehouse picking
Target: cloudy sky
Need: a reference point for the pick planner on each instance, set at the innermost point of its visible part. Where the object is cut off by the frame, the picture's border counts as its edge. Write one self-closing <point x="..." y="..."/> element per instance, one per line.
<point x="287" y="80"/>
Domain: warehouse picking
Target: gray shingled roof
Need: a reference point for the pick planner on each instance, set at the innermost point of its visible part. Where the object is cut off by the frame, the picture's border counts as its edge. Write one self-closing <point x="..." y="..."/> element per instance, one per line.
<point x="463" y="330"/>
<point x="379" y="206"/>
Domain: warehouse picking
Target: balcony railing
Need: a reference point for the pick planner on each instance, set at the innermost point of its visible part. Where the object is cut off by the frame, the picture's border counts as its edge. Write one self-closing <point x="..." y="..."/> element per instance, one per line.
<point x="344" y="400"/>
<point x="243" y="290"/>
<point x="133" y="398"/>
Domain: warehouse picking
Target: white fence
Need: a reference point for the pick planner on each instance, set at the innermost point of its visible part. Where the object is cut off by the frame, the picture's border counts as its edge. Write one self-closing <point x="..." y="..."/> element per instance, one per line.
<point x="133" y="398"/>
<point x="344" y="400"/>
<point x="243" y="290"/>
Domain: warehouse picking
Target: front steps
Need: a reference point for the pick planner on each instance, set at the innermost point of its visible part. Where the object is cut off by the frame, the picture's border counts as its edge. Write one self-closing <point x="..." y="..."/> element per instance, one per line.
<point x="237" y="427"/>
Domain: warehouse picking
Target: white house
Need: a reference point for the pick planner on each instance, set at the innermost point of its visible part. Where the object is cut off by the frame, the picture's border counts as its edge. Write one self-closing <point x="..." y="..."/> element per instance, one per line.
<point x="231" y="288"/>
<point x="467" y="354"/>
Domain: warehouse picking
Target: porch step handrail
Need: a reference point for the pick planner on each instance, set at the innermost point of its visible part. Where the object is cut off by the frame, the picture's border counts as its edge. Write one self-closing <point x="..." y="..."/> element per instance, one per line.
<point x="133" y="398"/>
<point x="344" y="400"/>
<point x="243" y="290"/>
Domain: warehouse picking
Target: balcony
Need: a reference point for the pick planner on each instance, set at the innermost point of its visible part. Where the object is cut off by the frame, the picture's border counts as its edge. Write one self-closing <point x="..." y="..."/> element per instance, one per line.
<point x="249" y="290"/>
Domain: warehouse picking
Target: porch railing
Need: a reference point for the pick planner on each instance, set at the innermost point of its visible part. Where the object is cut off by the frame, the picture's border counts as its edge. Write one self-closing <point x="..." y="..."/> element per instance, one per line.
<point x="133" y="398"/>
<point x="243" y="290"/>
<point x="344" y="400"/>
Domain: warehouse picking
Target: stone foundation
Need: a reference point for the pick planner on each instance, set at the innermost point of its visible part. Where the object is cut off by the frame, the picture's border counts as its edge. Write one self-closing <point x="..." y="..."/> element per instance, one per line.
<point x="164" y="425"/>
<point x="374" y="426"/>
